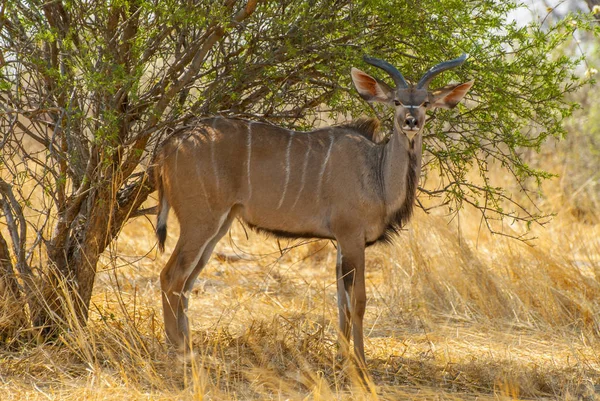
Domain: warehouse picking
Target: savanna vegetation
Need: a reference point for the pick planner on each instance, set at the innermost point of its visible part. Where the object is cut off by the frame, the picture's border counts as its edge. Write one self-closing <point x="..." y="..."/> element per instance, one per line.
<point x="492" y="291"/>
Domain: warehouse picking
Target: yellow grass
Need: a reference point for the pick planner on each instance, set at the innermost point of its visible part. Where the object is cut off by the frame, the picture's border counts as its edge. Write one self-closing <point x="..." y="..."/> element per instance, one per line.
<point x="454" y="313"/>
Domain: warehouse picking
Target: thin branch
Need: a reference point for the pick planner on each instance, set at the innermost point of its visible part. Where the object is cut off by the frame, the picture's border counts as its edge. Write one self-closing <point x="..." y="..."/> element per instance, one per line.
<point x="17" y="226"/>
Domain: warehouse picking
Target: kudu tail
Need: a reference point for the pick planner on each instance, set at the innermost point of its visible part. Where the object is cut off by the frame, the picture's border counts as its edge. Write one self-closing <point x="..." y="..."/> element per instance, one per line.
<point x="163" y="208"/>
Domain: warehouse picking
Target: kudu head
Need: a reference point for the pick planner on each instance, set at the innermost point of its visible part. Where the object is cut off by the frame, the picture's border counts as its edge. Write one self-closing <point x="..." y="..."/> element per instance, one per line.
<point x="411" y="102"/>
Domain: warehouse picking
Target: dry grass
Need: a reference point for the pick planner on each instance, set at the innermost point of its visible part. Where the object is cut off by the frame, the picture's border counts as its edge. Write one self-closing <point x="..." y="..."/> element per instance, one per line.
<point x="454" y="313"/>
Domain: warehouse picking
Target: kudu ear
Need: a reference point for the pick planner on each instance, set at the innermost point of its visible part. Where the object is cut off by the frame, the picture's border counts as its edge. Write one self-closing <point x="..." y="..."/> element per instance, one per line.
<point x="371" y="89"/>
<point x="449" y="96"/>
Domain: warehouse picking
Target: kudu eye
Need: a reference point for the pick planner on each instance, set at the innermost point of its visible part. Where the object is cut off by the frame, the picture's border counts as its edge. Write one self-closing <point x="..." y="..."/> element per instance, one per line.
<point x="397" y="102"/>
<point x="426" y="104"/>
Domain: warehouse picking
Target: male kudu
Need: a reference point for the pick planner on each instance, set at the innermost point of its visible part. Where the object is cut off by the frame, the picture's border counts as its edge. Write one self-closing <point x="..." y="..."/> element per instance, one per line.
<point x="333" y="183"/>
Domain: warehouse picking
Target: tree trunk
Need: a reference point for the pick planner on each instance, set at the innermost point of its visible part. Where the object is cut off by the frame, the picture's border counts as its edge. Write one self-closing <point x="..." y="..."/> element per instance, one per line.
<point x="11" y="318"/>
<point x="67" y="291"/>
<point x="9" y="287"/>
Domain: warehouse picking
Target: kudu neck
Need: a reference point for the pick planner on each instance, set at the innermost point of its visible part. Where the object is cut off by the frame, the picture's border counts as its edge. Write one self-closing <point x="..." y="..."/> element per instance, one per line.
<point x="401" y="170"/>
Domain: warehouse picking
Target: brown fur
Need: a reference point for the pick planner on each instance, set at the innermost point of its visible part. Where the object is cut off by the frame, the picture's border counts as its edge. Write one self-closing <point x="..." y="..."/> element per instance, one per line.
<point x="333" y="183"/>
<point x="365" y="126"/>
<point x="339" y="183"/>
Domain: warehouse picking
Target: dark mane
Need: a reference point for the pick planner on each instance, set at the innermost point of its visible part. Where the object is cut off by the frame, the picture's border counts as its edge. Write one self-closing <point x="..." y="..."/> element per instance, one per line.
<point x="364" y="126"/>
<point x="401" y="216"/>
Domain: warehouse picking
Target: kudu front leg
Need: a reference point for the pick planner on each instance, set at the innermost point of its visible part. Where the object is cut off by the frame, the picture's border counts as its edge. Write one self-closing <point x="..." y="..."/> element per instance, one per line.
<point x="343" y="308"/>
<point x="352" y="270"/>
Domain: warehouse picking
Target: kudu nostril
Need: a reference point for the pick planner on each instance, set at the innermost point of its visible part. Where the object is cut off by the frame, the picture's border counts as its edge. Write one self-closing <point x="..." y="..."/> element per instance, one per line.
<point x="411" y="122"/>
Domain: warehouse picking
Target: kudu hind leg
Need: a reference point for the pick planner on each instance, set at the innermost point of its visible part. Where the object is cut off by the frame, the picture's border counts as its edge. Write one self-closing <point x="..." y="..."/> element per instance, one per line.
<point x="208" y="250"/>
<point x="194" y="238"/>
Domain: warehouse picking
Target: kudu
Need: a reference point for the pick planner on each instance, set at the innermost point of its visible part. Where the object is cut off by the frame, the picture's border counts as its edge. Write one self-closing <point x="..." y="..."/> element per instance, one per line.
<point x="333" y="183"/>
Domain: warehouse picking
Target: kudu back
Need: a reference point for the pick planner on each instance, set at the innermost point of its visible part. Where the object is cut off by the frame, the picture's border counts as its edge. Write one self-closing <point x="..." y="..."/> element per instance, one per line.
<point x="335" y="183"/>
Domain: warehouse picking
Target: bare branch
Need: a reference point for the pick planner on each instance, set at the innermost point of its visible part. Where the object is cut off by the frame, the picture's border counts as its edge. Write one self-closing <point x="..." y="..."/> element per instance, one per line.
<point x="182" y="81"/>
<point x="7" y="274"/>
<point x="17" y="226"/>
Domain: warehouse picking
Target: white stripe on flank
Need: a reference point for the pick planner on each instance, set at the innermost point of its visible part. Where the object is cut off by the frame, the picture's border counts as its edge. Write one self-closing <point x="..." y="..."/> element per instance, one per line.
<point x="200" y="178"/>
<point x="179" y="144"/>
<point x="177" y="155"/>
<point x="213" y="138"/>
<point x="249" y="151"/>
<point x="324" y="167"/>
<point x="287" y="168"/>
<point x="304" y="166"/>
